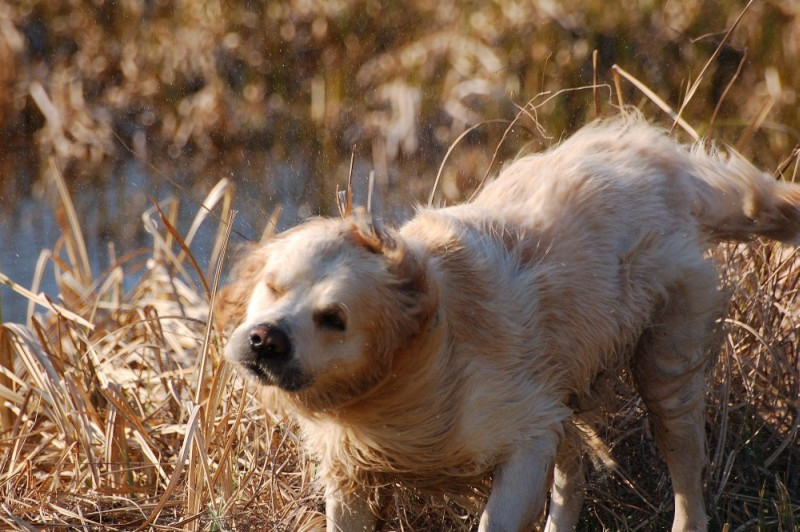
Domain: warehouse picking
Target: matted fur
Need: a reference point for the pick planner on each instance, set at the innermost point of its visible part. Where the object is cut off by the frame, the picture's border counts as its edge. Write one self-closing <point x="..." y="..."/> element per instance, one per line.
<point x="475" y="332"/>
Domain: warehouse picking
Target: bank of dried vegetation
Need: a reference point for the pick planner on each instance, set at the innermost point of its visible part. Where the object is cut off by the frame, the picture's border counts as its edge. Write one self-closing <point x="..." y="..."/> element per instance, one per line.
<point x="117" y="409"/>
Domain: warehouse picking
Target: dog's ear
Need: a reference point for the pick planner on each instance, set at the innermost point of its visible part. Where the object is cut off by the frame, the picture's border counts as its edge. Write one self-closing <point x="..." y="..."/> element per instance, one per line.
<point x="369" y="233"/>
<point x="232" y="299"/>
<point x="401" y="261"/>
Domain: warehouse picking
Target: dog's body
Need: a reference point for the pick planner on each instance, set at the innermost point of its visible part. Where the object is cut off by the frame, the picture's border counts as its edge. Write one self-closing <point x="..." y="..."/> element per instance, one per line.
<point x="463" y="344"/>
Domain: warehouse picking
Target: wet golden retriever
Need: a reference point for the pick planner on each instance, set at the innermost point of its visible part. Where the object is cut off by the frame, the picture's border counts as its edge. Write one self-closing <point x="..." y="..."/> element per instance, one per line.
<point x="461" y="344"/>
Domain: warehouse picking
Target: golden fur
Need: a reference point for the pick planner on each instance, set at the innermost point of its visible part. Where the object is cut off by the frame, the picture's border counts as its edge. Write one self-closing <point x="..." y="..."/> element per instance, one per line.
<point x="462" y="344"/>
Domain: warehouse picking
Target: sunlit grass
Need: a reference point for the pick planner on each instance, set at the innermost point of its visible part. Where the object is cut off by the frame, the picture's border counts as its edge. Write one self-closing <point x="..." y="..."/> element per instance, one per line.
<point x="117" y="409"/>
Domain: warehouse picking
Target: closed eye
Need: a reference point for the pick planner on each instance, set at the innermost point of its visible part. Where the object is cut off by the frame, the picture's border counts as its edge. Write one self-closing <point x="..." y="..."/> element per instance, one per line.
<point x="332" y="318"/>
<point x="274" y="290"/>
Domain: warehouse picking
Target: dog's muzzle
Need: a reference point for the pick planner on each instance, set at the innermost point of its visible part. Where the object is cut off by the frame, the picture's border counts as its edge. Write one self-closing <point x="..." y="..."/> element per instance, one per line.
<point x="265" y="351"/>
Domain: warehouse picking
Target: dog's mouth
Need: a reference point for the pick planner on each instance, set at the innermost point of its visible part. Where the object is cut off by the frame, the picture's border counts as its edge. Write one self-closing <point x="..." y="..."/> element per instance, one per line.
<point x="289" y="379"/>
<point x="256" y="371"/>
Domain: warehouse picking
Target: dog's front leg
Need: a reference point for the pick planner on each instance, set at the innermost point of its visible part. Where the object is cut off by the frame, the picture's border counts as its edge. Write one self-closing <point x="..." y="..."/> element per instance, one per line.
<point x="348" y="512"/>
<point x="519" y="489"/>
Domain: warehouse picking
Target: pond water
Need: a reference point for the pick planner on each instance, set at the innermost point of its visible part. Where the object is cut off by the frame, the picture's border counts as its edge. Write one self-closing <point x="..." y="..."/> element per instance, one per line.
<point x="110" y="211"/>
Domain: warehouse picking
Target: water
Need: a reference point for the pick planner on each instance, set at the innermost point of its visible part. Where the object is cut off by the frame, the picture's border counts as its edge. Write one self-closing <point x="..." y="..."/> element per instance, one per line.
<point x="110" y="211"/>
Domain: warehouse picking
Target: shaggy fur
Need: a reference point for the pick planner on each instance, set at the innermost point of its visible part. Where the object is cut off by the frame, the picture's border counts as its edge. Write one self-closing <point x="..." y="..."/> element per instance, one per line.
<point x="464" y="343"/>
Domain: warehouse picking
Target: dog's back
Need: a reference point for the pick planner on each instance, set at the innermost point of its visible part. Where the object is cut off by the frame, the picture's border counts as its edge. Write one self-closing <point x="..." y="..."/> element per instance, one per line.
<point x="629" y="171"/>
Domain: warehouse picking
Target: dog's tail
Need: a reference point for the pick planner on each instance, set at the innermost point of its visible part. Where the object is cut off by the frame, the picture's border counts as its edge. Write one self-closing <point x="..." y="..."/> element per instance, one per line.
<point x="733" y="200"/>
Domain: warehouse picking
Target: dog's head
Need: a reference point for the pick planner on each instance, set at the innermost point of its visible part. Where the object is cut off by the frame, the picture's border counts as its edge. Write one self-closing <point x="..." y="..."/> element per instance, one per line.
<point x="329" y="302"/>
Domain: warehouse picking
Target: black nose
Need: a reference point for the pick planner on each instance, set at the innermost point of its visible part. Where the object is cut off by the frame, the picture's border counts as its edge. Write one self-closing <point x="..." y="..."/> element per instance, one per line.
<point x="269" y="341"/>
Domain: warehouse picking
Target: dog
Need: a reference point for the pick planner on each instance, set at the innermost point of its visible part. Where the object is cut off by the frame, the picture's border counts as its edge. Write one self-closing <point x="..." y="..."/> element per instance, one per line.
<point x="464" y="343"/>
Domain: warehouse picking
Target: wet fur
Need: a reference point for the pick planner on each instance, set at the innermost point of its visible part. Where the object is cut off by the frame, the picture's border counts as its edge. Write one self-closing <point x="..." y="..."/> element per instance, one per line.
<point x="483" y="327"/>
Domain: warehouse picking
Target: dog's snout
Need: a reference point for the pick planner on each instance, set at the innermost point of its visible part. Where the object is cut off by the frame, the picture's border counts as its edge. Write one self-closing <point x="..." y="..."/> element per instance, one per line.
<point x="269" y="341"/>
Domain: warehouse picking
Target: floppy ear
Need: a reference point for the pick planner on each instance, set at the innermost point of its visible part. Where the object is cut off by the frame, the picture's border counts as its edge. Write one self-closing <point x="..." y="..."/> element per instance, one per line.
<point x="402" y="262"/>
<point x="366" y="233"/>
<point x="232" y="299"/>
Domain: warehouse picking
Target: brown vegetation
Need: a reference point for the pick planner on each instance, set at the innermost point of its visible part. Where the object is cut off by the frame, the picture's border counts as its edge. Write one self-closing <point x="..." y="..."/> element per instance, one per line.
<point x="201" y="79"/>
<point x="117" y="408"/>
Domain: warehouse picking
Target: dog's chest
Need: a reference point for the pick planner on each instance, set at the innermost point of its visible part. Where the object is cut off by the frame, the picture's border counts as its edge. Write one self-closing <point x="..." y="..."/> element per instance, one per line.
<point x="430" y="456"/>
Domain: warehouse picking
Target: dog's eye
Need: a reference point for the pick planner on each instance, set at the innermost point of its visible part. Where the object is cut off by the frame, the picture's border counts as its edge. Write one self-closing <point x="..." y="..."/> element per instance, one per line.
<point x="332" y="318"/>
<point x="273" y="289"/>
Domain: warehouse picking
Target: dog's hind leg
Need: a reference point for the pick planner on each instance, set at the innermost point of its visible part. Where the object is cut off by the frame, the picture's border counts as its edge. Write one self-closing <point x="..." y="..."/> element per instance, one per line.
<point x="569" y="483"/>
<point x="669" y="371"/>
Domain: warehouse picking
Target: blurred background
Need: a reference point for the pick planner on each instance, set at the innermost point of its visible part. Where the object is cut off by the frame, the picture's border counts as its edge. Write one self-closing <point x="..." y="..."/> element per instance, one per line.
<point x="134" y="101"/>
